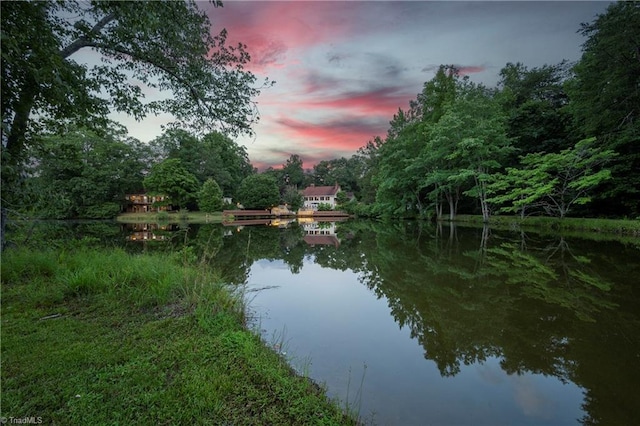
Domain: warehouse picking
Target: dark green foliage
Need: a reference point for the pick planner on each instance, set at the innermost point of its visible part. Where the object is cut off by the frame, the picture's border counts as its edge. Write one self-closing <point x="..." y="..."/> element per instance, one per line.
<point x="82" y="174"/>
<point x="457" y="137"/>
<point x="164" y="45"/>
<point x="213" y="156"/>
<point x="605" y="95"/>
<point x="366" y="165"/>
<point x="292" y="171"/>
<point x="343" y="171"/>
<point x="553" y="182"/>
<point x="342" y="198"/>
<point x="259" y="192"/>
<point x="533" y="100"/>
<point x="292" y="198"/>
<point x="324" y="207"/>
<point x="210" y="197"/>
<point x="172" y="179"/>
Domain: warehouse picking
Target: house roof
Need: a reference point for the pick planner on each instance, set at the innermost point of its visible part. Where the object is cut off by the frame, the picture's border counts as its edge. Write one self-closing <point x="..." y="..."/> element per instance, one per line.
<point x="322" y="240"/>
<point x="314" y="191"/>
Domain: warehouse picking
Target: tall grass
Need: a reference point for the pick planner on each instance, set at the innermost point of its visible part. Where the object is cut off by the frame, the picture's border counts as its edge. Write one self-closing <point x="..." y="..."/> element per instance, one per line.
<point x="101" y="336"/>
<point x="611" y="226"/>
<point x="143" y="281"/>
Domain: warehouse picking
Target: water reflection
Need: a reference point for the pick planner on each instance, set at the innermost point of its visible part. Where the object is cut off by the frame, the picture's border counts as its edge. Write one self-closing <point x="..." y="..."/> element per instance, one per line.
<point x="546" y="328"/>
<point x="534" y="305"/>
<point x="150" y="231"/>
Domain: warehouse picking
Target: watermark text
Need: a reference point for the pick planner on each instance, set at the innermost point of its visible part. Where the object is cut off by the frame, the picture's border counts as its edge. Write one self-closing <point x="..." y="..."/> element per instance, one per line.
<point x="26" y="420"/>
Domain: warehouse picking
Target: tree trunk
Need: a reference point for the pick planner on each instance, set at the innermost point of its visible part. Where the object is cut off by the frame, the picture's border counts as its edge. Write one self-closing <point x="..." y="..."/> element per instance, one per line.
<point x="18" y="129"/>
<point x="452" y="199"/>
<point x="438" y="203"/>
<point x="3" y="221"/>
<point x="482" y="196"/>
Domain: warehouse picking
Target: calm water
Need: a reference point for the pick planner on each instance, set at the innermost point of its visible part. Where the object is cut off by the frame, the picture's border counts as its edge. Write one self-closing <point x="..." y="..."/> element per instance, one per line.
<point x="414" y="325"/>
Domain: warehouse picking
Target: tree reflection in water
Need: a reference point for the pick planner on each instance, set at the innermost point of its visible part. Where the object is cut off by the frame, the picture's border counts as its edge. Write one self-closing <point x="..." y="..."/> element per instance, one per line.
<point x="542" y="304"/>
<point x="550" y="305"/>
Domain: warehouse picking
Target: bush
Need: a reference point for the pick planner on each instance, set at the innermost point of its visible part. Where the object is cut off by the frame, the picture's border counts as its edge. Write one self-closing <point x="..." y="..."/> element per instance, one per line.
<point x="210" y="197"/>
<point x="259" y="192"/>
<point x="324" y="207"/>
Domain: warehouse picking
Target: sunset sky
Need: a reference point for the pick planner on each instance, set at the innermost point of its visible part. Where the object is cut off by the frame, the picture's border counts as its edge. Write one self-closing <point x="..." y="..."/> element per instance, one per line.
<point x="343" y="68"/>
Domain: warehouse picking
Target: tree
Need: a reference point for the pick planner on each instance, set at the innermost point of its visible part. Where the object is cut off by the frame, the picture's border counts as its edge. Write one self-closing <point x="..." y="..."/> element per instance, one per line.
<point x="182" y="145"/>
<point x="210" y="197"/>
<point x="534" y="102"/>
<point x="412" y="162"/>
<point x="164" y="45"/>
<point x="292" y="198"/>
<point x="342" y="198"/>
<point x="555" y="181"/>
<point x="604" y="97"/>
<point x="172" y="179"/>
<point x="83" y="174"/>
<point x="213" y="156"/>
<point x="226" y="161"/>
<point x="293" y="171"/>
<point x="259" y="192"/>
<point x="474" y="128"/>
<point x="366" y="166"/>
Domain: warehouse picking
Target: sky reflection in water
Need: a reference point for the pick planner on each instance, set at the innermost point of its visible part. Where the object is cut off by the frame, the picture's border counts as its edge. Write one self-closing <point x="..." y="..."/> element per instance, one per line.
<point x="329" y="318"/>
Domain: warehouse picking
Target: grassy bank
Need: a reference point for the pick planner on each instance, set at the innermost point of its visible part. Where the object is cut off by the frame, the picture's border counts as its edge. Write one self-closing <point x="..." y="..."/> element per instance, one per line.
<point x="604" y="226"/>
<point x="104" y="337"/>
<point x="170" y="217"/>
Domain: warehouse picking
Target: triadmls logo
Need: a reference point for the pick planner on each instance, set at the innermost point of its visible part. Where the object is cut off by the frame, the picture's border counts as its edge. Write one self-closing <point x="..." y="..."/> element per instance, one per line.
<point x="29" y="420"/>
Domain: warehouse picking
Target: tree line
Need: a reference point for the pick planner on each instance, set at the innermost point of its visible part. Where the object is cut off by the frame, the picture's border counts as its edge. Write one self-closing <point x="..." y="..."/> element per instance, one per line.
<point x="556" y="139"/>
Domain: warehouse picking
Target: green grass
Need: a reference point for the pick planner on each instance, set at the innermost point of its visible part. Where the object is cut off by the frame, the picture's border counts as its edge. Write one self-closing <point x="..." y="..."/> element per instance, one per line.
<point x="603" y="226"/>
<point x="104" y="337"/>
<point x="170" y="217"/>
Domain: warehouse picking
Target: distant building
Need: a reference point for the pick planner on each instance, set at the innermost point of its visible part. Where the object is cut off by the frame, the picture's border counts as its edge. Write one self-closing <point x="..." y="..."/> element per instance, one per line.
<point x="320" y="233"/>
<point x="149" y="231"/>
<point x="316" y="195"/>
<point x="143" y="203"/>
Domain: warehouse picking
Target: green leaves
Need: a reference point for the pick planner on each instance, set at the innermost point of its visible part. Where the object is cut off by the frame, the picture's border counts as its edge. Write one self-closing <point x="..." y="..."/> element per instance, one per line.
<point x="605" y="95"/>
<point x="172" y="179"/>
<point x="259" y="192"/>
<point x="214" y="156"/>
<point x="210" y="197"/>
<point x="554" y="181"/>
<point x="166" y="46"/>
<point x="82" y="174"/>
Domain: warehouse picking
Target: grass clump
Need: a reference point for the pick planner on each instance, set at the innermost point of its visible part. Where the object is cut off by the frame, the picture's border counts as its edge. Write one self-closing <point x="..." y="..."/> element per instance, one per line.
<point x="171" y="217"/>
<point x="603" y="226"/>
<point x="105" y="337"/>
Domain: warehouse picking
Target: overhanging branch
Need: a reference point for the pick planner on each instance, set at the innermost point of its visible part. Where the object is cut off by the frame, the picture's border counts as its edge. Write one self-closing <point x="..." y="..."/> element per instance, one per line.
<point x="85" y="41"/>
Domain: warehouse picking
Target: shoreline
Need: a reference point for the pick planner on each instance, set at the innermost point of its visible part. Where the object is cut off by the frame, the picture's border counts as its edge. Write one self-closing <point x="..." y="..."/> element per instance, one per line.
<point x="104" y="335"/>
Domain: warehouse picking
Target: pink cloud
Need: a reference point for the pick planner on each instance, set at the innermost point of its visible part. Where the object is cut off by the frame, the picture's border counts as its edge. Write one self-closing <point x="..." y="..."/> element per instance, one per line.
<point x="264" y="165"/>
<point x="272" y="29"/>
<point x="382" y="102"/>
<point x="309" y="160"/>
<point x="471" y="69"/>
<point x="462" y="69"/>
<point x="345" y="135"/>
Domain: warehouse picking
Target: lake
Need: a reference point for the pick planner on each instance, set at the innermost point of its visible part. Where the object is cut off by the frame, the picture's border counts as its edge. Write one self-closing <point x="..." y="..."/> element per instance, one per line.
<point x="413" y="324"/>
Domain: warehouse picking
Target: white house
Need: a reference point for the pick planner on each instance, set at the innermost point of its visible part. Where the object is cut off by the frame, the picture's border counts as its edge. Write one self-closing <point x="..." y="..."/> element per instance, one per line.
<point x="316" y="195"/>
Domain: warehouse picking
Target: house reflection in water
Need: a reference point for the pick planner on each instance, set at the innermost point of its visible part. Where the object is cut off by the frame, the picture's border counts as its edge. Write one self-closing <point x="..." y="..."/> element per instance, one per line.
<point x="320" y="233"/>
<point x="143" y="203"/>
<point x="149" y="231"/>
